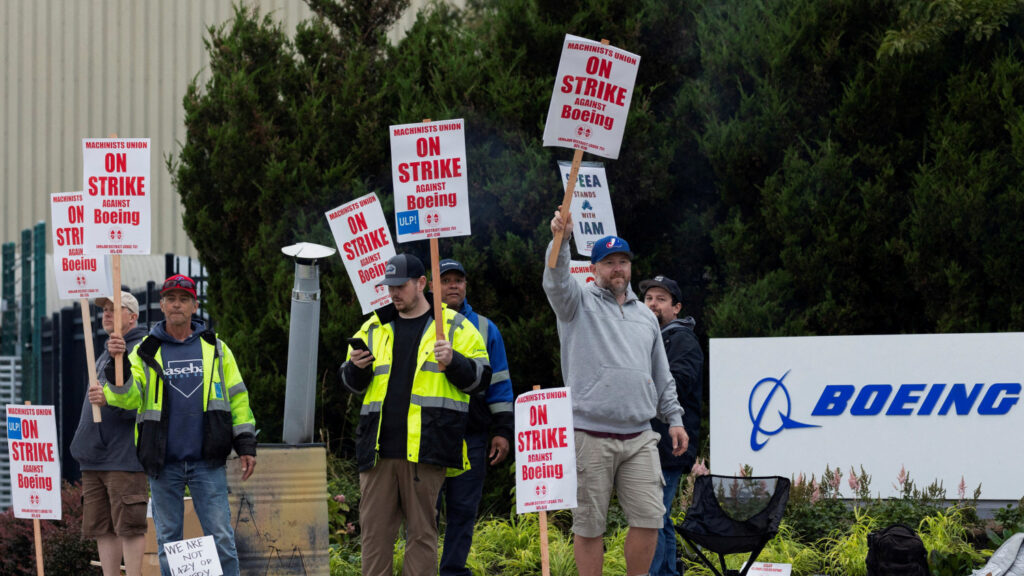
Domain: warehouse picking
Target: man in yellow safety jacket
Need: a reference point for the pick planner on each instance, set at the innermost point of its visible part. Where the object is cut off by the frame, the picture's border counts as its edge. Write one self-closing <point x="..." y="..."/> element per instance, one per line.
<point x="414" y="416"/>
<point x="193" y="408"/>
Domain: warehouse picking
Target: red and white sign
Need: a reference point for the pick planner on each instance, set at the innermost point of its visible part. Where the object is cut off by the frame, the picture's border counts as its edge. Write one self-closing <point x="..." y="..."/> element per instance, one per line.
<point x="545" y="451"/>
<point x="35" y="461"/>
<point x="590" y="102"/>
<point x="592" y="215"/>
<point x="428" y="168"/>
<point x="78" y="275"/>
<point x="116" y="195"/>
<point x="582" y="271"/>
<point x="364" y="243"/>
<point x="769" y="569"/>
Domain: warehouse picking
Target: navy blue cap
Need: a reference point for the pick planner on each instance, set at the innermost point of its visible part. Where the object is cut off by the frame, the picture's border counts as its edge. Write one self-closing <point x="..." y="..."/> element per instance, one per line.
<point x="400" y="269"/>
<point x="449" y="265"/>
<point x="609" y="245"/>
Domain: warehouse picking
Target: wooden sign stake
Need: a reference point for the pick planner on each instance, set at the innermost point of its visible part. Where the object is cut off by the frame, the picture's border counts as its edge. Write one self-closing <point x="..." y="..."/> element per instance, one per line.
<point x="37" y="532"/>
<point x="90" y="356"/>
<point x="545" y="561"/>
<point x="435" y="280"/>
<point x="570" y="187"/>
<point x="116" y="266"/>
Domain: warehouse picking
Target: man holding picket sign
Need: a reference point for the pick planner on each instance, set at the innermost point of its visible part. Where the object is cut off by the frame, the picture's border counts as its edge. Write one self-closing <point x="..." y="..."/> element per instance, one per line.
<point x="414" y="415"/>
<point x="614" y="360"/>
<point x="612" y="355"/>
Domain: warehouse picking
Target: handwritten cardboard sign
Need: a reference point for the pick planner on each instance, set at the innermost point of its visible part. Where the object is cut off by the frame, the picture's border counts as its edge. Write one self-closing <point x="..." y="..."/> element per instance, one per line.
<point x="193" y="557"/>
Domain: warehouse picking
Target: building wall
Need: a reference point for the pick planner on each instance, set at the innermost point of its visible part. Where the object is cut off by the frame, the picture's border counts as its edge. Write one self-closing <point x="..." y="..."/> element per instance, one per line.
<point x="90" y="68"/>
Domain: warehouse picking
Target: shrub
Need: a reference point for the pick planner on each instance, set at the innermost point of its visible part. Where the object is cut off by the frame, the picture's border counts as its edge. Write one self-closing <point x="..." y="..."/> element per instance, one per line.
<point x="65" y="553"/>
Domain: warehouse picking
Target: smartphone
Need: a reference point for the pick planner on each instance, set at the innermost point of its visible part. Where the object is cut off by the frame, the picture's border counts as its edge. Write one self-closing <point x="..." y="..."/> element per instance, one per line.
<point x="358" y="344"/>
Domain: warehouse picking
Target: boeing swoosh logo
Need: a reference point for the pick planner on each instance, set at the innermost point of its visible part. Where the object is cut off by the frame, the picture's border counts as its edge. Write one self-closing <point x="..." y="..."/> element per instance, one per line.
<point x="782" y="406"/>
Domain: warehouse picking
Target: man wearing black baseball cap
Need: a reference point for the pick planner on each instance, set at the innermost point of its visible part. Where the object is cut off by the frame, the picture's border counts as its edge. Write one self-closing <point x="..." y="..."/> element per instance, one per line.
<point x="416" y="392"/>
<point x="662" y="296"/>
<point x="613" y="359"/>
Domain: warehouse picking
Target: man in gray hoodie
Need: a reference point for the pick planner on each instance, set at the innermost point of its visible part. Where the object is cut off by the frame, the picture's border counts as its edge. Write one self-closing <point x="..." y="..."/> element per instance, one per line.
<point x="114" y="488"/>
<point x="614" y="361"/>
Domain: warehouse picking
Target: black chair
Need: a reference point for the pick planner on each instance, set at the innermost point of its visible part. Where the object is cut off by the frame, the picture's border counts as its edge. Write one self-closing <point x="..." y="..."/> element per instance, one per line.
<point x="734" y="515"/>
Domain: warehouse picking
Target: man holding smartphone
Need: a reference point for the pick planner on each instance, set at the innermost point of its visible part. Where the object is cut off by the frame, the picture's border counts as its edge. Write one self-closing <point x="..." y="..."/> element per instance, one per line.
<point x="415" y="410"/>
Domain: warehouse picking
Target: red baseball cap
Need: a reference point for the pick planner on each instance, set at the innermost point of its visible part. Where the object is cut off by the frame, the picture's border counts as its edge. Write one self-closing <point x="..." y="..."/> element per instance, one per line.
<point x="179" y="282"/>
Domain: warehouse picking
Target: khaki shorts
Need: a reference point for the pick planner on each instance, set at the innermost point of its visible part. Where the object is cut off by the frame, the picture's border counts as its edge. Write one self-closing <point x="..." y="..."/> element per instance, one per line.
<point x="113" y="502"/>
<point x="632" y="468"/>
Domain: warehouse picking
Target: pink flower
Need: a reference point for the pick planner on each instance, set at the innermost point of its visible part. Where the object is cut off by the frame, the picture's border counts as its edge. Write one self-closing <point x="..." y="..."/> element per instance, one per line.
<point x="339" y="498"/>
<point x="700" y="469"/>
<point x="854" y="482"/>
<point x="350" y="528"/>
<point x="901" y="478"/>
<point x="962" y="489"/>
<point x="800" y="479"/>
<point x="815" y="492"/>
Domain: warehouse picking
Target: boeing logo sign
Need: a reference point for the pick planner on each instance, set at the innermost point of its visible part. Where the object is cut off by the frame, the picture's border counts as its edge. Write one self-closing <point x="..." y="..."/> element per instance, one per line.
<point x="774" y="402"/>
<point x="941" y="405"/>
<point x="770" y="400"/>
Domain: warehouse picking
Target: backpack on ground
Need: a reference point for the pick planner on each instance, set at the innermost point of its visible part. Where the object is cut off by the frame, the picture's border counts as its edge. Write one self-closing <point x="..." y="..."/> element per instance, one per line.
<point x="896" y="551"/>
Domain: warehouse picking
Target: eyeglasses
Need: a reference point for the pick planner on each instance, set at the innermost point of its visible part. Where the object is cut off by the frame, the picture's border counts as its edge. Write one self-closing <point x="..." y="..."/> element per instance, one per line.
<point x="179" y="283"/>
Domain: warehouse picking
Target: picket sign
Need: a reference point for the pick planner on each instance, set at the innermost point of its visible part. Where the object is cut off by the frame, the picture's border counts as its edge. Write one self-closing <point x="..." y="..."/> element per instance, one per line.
<point x="599" y="130"/>
<point x="67" y="214"/>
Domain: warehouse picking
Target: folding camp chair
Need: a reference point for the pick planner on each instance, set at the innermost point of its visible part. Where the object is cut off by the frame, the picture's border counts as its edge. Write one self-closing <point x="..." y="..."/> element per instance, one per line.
<point x="731" y="515"/>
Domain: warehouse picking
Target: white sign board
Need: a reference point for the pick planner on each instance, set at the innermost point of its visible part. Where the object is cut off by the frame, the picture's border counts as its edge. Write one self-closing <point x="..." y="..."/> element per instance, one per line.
<point x="581" y="270"/>
<point x="590" y="102"/>
<point x="364" y="243"/>
<point x="193" y="557"/>
<point x="591" y="206"/>
<point x="545" y="451"/>
<point x="116" y="195"/>
<point x="769" y="569"/>
<point x="34" y="461"/>
<point x="78" y="275"/>
<point x="924" y="402"/>
<point x="428" y="169"/>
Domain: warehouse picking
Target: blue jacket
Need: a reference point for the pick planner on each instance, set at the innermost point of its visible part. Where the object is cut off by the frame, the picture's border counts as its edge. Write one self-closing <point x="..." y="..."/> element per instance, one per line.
<point x="492" y="414"/>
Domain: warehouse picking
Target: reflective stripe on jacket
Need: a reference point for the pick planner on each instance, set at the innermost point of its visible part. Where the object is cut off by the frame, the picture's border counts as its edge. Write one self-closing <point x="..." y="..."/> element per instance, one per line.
<point x="438" y="410"/>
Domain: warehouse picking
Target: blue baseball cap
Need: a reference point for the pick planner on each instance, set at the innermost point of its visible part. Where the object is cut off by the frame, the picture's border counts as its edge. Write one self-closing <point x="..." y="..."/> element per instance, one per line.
<point x="609" y="245"/>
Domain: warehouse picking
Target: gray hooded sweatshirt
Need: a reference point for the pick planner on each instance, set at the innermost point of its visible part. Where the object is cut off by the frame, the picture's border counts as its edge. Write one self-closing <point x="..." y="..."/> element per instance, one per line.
<point x="110" y="444"/>
<point x="613" y="358"/>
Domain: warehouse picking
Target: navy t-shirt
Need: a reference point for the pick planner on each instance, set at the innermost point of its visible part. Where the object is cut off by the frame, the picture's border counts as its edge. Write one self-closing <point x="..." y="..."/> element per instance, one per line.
<point x="183" y="393"/>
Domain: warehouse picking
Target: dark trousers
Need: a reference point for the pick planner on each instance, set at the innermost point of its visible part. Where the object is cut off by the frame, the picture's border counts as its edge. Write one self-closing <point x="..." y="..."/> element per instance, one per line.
<point x="461" y="495"/>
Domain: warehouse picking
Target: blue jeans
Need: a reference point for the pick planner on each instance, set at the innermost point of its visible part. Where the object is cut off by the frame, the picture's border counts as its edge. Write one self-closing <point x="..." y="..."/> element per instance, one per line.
<point x="209" y="486"/>
<point x="664" y="562"/>
<point x="462" y="495"/>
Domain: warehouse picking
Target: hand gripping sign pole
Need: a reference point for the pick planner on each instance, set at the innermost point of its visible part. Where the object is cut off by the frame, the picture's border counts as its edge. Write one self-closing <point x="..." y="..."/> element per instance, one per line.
<point x="589" y="106"/>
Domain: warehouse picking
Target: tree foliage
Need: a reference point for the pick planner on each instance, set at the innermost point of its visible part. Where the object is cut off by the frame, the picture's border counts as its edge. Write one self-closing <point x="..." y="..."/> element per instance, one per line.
<point x="288" y="128"/>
